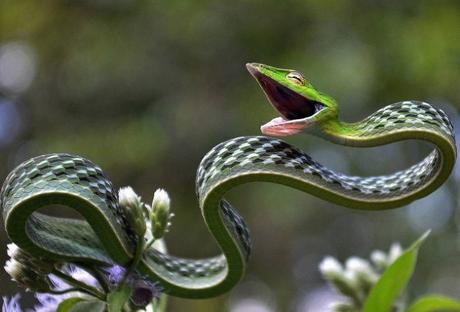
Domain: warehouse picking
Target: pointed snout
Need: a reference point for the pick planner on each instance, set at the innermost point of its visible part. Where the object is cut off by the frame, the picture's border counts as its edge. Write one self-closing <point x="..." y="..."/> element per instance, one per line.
<point x="253" y="68"/>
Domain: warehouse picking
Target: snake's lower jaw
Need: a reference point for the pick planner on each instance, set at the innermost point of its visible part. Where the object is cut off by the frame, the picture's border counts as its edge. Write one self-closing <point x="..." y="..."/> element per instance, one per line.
<point x="280" y="127"/>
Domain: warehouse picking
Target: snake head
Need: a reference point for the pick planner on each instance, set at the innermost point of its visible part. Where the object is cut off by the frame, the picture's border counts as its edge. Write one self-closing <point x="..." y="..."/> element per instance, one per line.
<point x="300" y="105"/>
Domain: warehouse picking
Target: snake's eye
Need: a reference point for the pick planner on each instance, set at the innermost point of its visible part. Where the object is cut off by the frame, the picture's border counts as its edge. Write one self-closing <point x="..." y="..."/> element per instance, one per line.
<point x="296" y="78"/>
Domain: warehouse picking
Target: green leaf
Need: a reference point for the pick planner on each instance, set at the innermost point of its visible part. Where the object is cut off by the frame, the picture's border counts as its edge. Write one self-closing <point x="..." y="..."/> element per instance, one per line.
<point x="118" y="298"/>
<point x="89" y="305"/>
<point x="435" y="303"/>
<point x="393" y="280"/>
<point x="67" y="304"/>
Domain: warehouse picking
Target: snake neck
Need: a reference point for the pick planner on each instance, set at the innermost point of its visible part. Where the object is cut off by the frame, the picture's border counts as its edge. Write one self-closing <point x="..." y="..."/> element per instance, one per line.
<point x="343" y="133"/>
<point x="395" y="122"/>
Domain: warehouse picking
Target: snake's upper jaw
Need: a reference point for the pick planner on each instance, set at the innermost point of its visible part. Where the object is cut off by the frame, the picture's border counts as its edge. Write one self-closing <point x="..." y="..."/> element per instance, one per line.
<point x="296" y="110"/>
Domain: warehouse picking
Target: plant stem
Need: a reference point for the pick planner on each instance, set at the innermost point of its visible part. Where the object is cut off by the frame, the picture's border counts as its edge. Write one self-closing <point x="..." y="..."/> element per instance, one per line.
<point x="80" y="285"/>
<point x="149" y="244"/>
<point x="64" y="291"/>
<point x="137" y="257"/>
<point x="155" y="306"/>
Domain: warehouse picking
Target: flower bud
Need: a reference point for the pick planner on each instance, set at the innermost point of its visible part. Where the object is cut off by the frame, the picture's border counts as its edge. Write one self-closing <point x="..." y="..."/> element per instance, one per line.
<point x="144" y="292"/>
<point x="160" y="215"/>
<point x="27" y="277"/>
<point x="132" y="206"/>
<point x="395" y="251"/>
<point x="379" y="258"/>
<point x="344" y="281"/>
<point x="330" y="268"/>
<point x="364" y="273"/>
<point x="127" y="197"/>
<point x="40" y="265"/>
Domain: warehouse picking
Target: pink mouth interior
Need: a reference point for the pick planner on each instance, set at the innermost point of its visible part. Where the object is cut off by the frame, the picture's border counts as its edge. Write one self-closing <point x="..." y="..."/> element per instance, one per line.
<point x="282" y="127"/>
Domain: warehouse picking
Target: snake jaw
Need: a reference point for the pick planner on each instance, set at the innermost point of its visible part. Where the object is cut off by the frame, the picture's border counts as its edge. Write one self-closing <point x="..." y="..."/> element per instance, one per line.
<point x="280" y="127"/>
<point x="296" y="109"/>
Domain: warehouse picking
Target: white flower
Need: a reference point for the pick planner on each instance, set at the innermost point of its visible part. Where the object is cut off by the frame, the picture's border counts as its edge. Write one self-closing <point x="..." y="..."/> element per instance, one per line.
<point x="127" y="197"/>
<point x="352" y="279"/>
<point x="379" y="258"/>
<point x="330" y="267"/>
<point x="26" y="276"/>
<point x="133" y="209"/>
<point x="39" y="265"/>
<point x="161" y="198"/>
<point x="358" y="265"/>
<point x="160" y="216"/>
<point x="13" y="268"/>
<point x="362" y="268"/>
<point x="395" y="251"/>
<point x="12" y="250"/>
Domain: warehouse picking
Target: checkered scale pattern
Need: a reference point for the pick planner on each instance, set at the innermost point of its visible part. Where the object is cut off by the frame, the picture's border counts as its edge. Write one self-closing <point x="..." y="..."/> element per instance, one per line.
<point x="31" y="177"/>
<point x="186" y="268"/>
<point x="236" y="225"/>
<point x="251" y="154"/>
<point x="243" y="156"/>
<point x="405" y="115"/>
<point x="254" y="155"/>
<point x="180" y="268"/>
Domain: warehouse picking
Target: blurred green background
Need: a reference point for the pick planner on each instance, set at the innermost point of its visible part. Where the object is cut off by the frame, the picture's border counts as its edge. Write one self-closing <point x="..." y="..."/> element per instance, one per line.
<point x="146" y="88"/>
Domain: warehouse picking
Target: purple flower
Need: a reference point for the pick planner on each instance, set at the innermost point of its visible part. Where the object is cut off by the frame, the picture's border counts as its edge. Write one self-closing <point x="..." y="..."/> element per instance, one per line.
<point x="115" y="274"/>
<point x="50" y="302"/>
<point x="76" y="273"/>
<point x="144" y="291"/>
<point x="11" y="305"/>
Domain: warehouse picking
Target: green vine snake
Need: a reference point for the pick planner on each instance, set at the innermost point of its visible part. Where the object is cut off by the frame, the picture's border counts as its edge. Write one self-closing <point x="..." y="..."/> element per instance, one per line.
<point x="103" y="236"/>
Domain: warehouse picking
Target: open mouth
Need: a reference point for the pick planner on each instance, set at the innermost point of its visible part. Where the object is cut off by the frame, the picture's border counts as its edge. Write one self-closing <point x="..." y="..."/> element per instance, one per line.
<point x="292" y="106"/>
<point x="287" y="102"/>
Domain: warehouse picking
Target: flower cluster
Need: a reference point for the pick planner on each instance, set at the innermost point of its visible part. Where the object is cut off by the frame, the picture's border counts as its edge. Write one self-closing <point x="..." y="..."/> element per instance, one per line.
<point x="356" y="277"/>
<point x="151" y="222"/>
<point x="28" y="271"/>
<point x="55" y="282"/>
<point x="48" y="302"/>
<point x="49" y="299"/>
<point x="143" y="292"/>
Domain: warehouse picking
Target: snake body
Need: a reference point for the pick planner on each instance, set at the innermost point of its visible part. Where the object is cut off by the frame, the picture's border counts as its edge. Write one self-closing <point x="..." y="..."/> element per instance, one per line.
<point x="104" y="237"/>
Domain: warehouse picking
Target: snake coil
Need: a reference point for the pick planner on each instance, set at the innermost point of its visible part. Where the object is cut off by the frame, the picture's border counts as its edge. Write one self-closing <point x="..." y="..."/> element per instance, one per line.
<point x="103" y="236"/>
